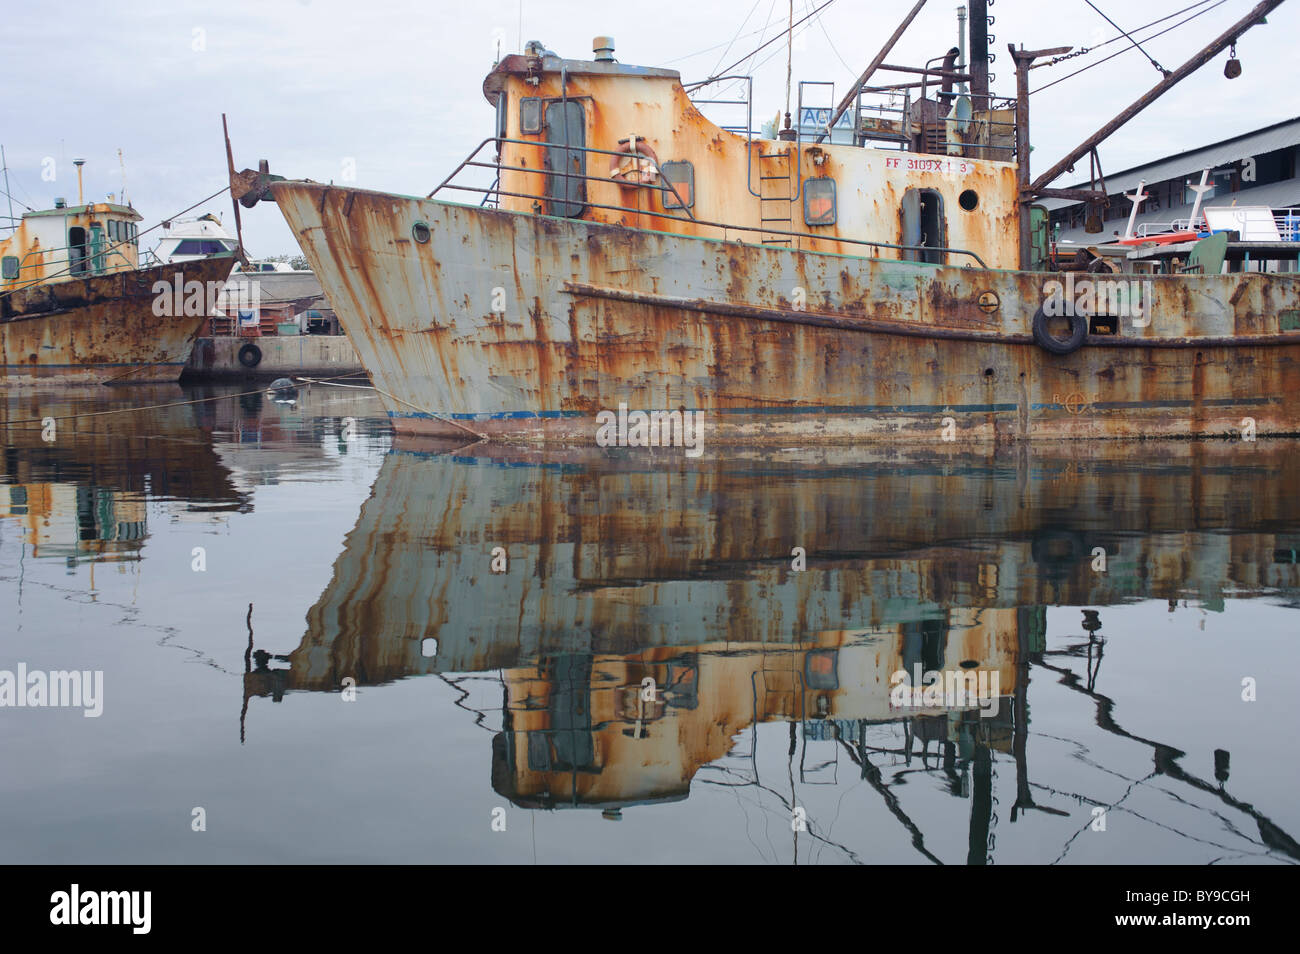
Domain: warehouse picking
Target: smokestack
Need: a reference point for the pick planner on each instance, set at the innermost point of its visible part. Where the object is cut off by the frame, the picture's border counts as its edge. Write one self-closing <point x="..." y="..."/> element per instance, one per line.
<point x="81" y="198"/>
<point x="603" y="47"/>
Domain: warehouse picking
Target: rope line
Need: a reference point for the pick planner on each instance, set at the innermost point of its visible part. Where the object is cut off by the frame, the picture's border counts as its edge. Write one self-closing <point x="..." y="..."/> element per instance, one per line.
<point x="151" y="407"/>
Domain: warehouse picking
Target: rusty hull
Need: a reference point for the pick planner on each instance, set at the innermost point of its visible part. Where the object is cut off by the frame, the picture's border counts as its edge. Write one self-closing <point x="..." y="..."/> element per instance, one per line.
<point x="101" y="329"/>
<point x="600" y="315"/>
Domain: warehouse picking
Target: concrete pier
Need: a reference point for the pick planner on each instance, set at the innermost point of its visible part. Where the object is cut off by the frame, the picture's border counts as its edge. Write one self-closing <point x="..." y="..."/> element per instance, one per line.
<point x="215" y="359"/>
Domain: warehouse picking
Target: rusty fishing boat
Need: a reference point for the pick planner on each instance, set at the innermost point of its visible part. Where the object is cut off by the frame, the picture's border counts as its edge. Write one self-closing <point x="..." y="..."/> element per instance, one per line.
<point x="886" y="275"/>
<point x="76" y="305"/>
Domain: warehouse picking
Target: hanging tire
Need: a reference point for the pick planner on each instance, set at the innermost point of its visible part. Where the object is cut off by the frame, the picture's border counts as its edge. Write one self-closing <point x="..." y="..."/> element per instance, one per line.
<point x="1049" y="342"/>
<point x="250" y="356"/>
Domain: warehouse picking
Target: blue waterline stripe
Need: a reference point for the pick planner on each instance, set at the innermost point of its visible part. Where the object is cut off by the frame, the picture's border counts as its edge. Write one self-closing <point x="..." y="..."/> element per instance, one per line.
<point x="825" y="409"/>
<point x="859" y="409"/>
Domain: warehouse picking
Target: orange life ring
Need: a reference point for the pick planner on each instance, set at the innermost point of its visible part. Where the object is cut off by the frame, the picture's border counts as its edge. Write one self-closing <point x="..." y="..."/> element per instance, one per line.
<point x="643" y="171"/>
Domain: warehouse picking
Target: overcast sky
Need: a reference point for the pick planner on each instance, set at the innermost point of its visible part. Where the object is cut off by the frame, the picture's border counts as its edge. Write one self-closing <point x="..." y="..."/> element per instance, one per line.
<point x="395" y="88"/>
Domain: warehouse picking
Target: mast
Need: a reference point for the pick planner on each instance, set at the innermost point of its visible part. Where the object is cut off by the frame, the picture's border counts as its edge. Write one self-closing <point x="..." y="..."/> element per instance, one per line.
<point x="978" y="67"/>
<point x="4" y="162"/>
<point x="852" y="94"/>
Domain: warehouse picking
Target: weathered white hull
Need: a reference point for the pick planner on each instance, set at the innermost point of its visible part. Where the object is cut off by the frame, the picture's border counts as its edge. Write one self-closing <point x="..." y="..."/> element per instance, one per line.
<point x="527" y="327"/>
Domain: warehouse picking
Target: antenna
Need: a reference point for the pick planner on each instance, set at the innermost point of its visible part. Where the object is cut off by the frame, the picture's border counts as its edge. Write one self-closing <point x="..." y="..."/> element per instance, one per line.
<point x="122" y="163"/>
<point x="5" y="164"/>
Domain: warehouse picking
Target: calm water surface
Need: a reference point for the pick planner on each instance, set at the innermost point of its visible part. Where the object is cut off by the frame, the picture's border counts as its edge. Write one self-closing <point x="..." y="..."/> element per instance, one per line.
<point x="642" y="672"/>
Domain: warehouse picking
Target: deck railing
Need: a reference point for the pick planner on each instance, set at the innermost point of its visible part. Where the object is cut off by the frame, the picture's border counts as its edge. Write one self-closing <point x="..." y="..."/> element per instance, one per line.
<point x="493" y="193"/>
<point x="88" y="263"/>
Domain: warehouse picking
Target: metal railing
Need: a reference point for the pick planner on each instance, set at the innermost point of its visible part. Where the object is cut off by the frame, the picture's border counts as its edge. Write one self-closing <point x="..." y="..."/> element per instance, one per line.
<point x="538" y="198"/>
<point x="1287" y="221"/>
<point x="88" y="263"/>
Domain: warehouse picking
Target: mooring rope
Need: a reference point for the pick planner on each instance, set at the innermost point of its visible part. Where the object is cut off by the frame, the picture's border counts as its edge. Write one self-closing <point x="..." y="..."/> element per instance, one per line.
<point x="152" y="407"/>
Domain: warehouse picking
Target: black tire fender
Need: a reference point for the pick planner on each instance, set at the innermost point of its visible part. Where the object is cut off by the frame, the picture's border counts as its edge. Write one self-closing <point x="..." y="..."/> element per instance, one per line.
<point x="1049" y="342"/>
<point x="250" y="355"/>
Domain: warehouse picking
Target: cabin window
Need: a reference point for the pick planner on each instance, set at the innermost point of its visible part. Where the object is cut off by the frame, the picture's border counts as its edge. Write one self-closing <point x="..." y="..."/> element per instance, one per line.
<point x="112" y="230"/>
<point x="682" y="176"/>
<point x="530" y="116"/>
<point x="131" y="232"/>
<point x="9" y="267"/>
<point x="200" y="247"/>
<point x="923" y="226"/>
<point x="819" y="201"/>
<point x="969" y="200"/>
<point x="566" y="136"/>
<point x="821" y="669"/>
<point x="503" y="128"/>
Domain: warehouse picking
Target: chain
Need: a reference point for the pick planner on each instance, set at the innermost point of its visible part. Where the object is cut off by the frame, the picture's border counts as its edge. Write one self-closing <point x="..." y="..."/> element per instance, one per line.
<point x="1062" y="58"/>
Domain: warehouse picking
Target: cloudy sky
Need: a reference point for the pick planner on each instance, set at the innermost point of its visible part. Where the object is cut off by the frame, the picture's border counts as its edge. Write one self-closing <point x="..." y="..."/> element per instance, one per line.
<point x="393" y="89"/>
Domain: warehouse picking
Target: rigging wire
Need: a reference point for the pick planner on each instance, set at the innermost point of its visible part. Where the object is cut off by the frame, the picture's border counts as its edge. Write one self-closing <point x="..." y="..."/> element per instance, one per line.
<point x="114" y="245"/>
<point x="16" y="199"/>
<point x="745" y="63"/>
<point x="737" y="36"/>
<point x="759" y="48"/>
<point x="1162" y="70"/>
<point x="718" y="46"/>
<point x="1092" y="49"/>
<point x="821" y="23"/>
<point x="789" y="61"/>
<point x="1126" y="49"/>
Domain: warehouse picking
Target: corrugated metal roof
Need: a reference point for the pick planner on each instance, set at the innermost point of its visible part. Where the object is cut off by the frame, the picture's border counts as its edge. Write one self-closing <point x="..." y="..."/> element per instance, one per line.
<point x="1275" y="195"/>
<point x="1278" y="136"/>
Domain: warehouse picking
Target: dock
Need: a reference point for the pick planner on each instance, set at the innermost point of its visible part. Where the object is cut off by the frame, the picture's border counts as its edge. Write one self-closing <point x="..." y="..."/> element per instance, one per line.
<point x="219" y="358"/>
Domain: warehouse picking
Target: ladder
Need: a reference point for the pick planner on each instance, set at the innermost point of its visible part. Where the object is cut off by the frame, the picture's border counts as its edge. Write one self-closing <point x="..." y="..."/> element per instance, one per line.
<point x="775" y="197"/>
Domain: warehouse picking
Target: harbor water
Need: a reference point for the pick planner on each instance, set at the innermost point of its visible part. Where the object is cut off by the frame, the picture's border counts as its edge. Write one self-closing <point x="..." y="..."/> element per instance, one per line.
<point x="300" y="639"/>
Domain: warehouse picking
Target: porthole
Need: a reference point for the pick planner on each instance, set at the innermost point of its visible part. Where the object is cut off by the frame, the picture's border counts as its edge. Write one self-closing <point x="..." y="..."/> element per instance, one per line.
<point x="420" y="232"/>
<point x="968" y="200"/>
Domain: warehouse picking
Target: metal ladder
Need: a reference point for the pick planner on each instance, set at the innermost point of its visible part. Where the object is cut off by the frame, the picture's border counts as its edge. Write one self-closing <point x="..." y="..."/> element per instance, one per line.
<point x="775" y="197"/>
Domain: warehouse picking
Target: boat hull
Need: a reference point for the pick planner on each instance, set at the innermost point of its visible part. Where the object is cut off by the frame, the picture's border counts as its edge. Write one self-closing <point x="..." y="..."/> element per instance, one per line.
<point x="527" y="327"/>
<point x="107" y="328"/>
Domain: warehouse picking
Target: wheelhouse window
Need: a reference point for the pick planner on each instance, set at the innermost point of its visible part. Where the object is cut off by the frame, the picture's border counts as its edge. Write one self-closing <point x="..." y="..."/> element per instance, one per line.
<point x="502" y="115"/>
<point x="201" y="247"/>
<point x="819" y="206"/>
<point x="530" y="115"/>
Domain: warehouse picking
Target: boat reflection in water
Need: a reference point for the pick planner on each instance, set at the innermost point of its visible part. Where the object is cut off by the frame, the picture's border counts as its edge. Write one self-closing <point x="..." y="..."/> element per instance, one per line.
<point x="79" y="488"/>
<point x="641" y="619"/>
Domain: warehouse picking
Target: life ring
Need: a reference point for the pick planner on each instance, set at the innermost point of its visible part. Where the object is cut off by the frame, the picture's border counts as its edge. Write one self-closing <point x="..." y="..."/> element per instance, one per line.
<point x="643" y="171"/>
<point x="1049" y="342"/>
<point x="250" y="355"/>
